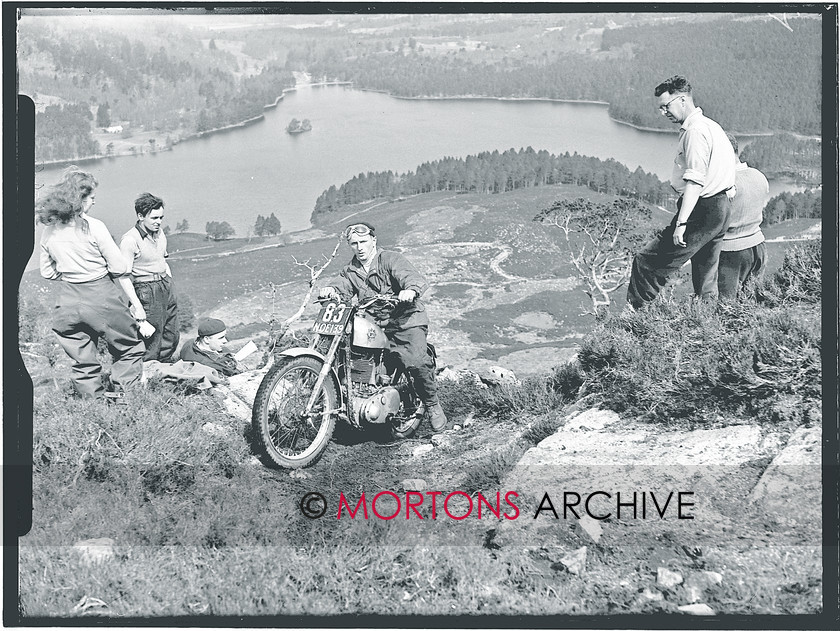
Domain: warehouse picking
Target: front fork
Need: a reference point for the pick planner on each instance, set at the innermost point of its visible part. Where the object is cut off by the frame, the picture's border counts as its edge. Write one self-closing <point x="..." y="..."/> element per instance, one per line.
<point x="325" y="370"/>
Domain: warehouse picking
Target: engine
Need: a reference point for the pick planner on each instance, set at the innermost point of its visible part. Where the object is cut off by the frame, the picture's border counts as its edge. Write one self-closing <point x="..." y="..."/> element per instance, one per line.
<point x="377" y="407"/>
<point x="374" y="400"/>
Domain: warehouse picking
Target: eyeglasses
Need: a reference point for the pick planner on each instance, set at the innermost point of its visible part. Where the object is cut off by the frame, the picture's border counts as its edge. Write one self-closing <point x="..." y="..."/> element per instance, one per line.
<point x="359" y="229"/>
<point x="663" y="109"/>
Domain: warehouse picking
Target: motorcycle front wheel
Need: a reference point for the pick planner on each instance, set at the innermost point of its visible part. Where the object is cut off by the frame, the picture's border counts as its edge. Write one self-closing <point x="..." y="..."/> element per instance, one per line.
<point x="286" y="435"/>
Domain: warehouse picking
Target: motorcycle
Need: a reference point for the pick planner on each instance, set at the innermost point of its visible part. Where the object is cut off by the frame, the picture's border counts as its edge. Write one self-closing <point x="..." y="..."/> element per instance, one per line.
<point x="343" y="375"/>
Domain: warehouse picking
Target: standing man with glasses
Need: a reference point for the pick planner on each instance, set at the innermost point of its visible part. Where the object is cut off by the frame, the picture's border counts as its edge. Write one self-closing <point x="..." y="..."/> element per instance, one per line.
<point x="150" y="290"/>
<point x="704" y="176"/>
<point x="372" y="271"/>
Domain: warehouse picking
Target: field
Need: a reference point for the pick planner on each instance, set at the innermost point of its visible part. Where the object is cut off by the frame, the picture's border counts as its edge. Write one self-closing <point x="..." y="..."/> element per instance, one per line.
<point x="192" y="523"/>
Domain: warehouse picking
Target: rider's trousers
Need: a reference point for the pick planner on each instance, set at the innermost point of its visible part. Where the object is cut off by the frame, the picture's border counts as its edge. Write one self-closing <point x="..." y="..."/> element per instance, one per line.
<point x="410" y="347"/>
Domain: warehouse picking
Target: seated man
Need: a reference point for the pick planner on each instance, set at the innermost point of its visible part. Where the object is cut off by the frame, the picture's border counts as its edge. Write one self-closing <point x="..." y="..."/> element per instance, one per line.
<point x="207" y="348"/>
<point x="373" y="271"/>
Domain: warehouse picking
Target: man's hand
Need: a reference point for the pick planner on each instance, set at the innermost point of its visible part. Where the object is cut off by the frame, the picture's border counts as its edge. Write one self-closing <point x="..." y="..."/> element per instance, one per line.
<point x="679" y="236"/>
<point x="407" y="295"/>
<point x="138" y="312"/>
<point x="328" y="292"/>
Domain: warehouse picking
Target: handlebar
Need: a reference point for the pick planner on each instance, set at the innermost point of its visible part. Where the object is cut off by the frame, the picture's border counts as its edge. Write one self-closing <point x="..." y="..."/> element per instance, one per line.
<point x="368" y="301"/>
<point x="377" y="298"/>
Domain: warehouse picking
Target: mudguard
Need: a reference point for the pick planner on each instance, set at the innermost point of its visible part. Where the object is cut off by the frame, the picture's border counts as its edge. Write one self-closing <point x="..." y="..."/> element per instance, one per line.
<point x="311" y="352"/>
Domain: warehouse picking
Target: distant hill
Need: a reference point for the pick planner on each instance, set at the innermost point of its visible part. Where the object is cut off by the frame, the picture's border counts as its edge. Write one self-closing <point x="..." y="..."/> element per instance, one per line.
<point x="724" y="57"/>
<point x="163" y="81"/>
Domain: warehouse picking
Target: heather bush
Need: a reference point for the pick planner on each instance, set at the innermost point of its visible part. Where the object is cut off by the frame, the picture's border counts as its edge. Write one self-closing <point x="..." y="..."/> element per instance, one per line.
<point x="692" y="361"/>
<point x="798" y="279"/>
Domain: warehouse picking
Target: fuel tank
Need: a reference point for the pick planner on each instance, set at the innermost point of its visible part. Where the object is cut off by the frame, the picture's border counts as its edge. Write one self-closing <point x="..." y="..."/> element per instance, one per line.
<point x="367" y="334"/>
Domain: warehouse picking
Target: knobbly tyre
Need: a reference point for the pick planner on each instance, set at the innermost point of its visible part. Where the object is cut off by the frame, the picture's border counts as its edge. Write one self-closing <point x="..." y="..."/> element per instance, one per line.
<point x="341" y="375"/>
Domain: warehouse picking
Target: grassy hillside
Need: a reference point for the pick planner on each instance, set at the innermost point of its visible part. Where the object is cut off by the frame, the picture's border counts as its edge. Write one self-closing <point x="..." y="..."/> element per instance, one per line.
<point x="202" y="528"/>
<point x="503" y="289"/>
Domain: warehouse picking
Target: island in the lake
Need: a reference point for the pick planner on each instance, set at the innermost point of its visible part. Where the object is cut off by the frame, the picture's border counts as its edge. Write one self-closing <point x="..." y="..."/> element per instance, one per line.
<point x="298" y="127"/>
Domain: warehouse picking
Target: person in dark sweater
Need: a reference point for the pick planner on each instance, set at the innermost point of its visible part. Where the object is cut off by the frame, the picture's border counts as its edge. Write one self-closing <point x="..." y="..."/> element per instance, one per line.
<point x="208" y="348"/>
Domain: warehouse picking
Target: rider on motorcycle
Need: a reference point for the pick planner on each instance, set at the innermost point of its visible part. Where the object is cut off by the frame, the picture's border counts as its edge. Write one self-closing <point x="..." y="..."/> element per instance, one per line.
<point x="372" y="271"/>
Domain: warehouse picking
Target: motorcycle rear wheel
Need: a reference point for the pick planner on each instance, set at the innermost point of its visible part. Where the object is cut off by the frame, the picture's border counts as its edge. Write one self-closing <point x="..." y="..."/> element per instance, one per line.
<point x="287" y="437"/>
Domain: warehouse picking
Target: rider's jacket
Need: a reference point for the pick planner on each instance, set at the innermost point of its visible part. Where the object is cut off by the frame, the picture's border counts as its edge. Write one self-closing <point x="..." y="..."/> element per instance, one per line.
<point x="390" y="273"/>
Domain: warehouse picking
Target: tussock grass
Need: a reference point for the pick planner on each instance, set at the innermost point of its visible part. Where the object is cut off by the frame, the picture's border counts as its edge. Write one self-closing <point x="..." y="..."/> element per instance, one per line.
<point x="487" y="473"/>
<point x="287" y="581"/>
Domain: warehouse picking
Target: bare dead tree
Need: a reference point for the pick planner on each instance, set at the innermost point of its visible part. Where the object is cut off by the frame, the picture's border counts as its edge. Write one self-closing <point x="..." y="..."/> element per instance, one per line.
<point x="275" y="335"/>
<point x="601" y="239"/>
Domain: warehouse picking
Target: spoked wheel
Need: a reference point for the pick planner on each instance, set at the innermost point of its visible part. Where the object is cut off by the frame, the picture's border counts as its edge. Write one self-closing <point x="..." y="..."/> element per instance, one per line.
<point x="287" y="436"/>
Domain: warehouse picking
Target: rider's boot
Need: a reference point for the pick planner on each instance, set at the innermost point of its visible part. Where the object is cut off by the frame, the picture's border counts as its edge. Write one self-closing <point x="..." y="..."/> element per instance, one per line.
<point x="436" y="416"/>
<point x="424" y="382"/>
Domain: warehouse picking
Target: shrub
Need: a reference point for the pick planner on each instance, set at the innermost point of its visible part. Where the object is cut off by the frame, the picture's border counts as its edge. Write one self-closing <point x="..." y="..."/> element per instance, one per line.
<point x="692" y="361"/>
<point x="535" y="395"/>
<point x="798" y="279"/>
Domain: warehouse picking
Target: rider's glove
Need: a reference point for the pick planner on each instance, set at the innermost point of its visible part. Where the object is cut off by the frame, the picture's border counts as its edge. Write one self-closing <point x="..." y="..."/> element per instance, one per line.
<point x="328" y="292"/>
<point x="407" y="295"/>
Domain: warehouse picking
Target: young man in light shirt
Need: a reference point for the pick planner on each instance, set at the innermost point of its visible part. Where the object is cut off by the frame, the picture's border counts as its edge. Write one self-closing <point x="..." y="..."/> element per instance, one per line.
<point x="704" y="176"/>
<point x="151" y="290"/>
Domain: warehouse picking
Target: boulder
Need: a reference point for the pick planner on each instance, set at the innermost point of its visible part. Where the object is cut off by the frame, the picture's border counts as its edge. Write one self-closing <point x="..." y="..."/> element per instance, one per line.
<point x="667" y="578"/>
<point x="595" y="451"/>
<point x="442" y="440"/>
<point x="693" y="593"/>
<point x="651" y="595"/>
<point x="422" y="450"/>
<point x="794" y="478"/>
<point x="575" y="562"/>
<point x="497" y="376"/>
<point x="450" y="374"/>
<point x="588" y="528"/>
<point x="703" y="580"/>
<point x="414" y="484"/>
<point x="699" y="609"/>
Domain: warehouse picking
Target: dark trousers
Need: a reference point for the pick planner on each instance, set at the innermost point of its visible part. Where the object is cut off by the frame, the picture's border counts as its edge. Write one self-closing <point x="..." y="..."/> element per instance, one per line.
<point x="736" y="268"/>
<point x="83" y="313"/>
<point x="661" y="257"/>
<point x="410" y="348"/>
<point x="158" y="299"/>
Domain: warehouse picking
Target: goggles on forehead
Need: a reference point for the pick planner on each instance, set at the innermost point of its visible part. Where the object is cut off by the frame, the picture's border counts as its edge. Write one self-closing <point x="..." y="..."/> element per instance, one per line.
<point x="359" y="229"/>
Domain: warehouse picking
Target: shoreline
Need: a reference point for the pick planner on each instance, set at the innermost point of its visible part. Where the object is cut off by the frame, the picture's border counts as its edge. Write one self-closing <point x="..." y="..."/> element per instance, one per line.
<point x="200" y="134"/>
<point x="573" y="101"/>
<point x="256" y="119"/>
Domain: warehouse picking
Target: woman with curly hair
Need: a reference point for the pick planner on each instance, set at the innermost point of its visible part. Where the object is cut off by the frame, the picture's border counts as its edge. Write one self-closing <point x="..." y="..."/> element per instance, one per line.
<point x="79" y="251"/>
